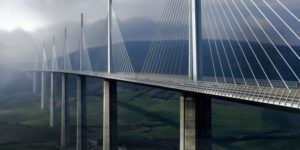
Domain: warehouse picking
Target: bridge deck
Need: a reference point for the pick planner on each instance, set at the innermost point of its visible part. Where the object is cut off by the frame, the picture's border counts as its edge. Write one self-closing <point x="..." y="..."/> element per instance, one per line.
<point x="266" y="95"/>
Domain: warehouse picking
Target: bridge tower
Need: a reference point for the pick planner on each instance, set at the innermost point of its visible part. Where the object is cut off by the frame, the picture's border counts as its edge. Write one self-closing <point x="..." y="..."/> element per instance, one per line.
<point x="81" y="45"/>
<point x="43" y="77"/>
<point x="195" y="37"/>
<point x="109" y="42"/>
<point x="195" y="109"/>
<point x="34" y="75"/>
<point x="110" y="119"/>
<point x="52" y="81"/>
<point x="65" y="122"/>
<point x="81" y="143"/>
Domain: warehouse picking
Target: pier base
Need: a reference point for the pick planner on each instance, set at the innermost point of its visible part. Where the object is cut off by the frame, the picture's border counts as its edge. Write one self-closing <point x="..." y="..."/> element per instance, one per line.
<point x="43" y="90"/>
<point x="81" y="114"/>
<point x="110" y="115"/>
<point x="65" y="122"/>
<point x="34" y="81"/>
<point x="52" y="100"/>
<point x="195" y="122"/>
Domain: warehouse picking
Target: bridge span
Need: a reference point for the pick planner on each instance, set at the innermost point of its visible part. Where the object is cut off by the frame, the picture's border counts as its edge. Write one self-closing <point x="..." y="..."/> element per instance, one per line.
<point x="276" y="96"/>
<point x="195" y="103"/>
<point x="227" y="49"/>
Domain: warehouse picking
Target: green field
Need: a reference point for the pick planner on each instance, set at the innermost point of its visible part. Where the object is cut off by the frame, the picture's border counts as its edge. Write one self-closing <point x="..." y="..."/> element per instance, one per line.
<point x="148" y="119"/>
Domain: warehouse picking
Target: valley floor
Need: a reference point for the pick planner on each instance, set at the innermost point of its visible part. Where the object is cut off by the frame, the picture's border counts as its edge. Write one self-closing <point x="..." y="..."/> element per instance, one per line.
<point x="148" y="119"/>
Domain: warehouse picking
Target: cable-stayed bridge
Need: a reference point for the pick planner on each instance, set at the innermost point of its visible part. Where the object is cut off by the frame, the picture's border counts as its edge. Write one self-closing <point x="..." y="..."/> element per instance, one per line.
<point x="239" y="50"/>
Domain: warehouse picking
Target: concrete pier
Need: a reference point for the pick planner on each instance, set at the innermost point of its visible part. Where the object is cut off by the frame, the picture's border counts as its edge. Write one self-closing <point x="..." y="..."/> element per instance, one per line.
<point x="81" y="114"/>
<point x="52" y="101"/>
<point x="195" y="122"/>
<point x="42" y="90"/>
<point x="110" y="115"/>
<point x="34" y="81"/>
<point x="65" y="122"/>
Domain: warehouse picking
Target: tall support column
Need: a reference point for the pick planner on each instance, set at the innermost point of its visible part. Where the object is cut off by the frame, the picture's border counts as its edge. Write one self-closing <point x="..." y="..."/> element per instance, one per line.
<point x="34" y="81"/>
<point x="195" y="123"/>
<point x="42" y="90"/>
<point x="195" y="39"/>
<point x="52" y="101"/>
<point x="110" y="115"/>
<point x="65" y="122"/>
<point x="81" y="114"/>
<point x="109" y="13"/>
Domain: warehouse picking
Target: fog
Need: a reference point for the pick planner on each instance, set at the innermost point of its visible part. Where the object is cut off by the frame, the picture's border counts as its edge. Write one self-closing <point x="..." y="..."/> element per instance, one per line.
<point x="26" y="24"/>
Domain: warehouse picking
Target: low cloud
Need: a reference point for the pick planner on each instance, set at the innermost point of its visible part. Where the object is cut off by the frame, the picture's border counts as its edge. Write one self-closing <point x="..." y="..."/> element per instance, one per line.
<point x="137" y="19"/>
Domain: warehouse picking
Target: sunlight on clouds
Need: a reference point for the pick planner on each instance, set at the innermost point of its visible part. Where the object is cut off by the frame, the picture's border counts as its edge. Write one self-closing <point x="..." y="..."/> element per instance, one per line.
<point x="14" y="16"/>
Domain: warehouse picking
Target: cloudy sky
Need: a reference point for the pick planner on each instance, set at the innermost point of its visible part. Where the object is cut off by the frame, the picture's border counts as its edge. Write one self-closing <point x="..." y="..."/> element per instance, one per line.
<point x="31" y="15"/>
<point x="26" y="24"/>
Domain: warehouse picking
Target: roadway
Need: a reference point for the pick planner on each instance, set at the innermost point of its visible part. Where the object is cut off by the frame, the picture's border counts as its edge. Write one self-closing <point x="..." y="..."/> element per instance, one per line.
<point x="279" y="97"/>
